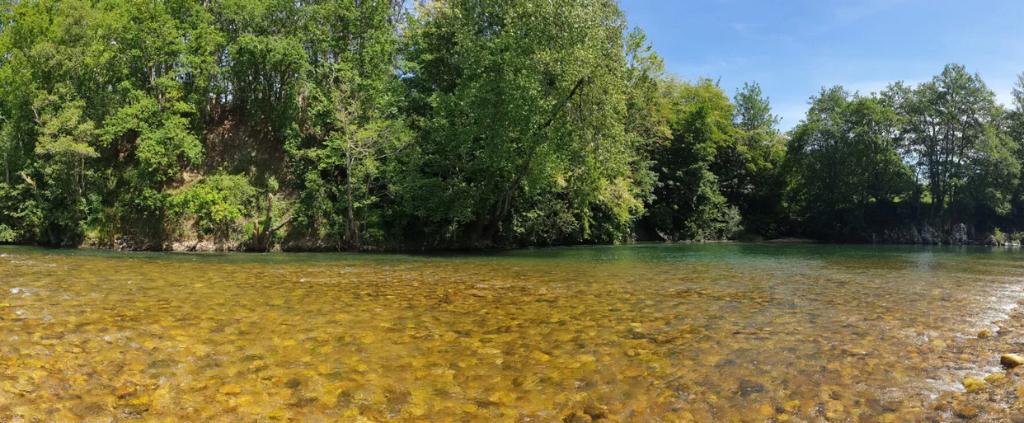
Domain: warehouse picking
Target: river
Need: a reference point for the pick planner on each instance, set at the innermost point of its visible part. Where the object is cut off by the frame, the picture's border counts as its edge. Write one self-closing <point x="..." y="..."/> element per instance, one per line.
<point x="695" y="332"/>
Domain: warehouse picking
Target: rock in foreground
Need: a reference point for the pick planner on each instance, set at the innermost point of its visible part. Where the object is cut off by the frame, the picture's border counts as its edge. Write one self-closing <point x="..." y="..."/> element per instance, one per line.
<point x="1011" y="360"/>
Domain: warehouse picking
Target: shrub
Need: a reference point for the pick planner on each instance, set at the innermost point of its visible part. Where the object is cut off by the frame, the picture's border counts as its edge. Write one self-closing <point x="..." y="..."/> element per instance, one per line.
<point x="217" y="205"/>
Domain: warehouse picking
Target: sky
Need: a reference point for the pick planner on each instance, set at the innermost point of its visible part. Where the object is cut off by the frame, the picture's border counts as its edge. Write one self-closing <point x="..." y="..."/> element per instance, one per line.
<point x="793" y="48"/>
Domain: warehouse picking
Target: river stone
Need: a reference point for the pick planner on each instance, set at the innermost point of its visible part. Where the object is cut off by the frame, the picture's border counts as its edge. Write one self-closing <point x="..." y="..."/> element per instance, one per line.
<point x="965" y="410"/>
<point x="995" y="378"/>
<point x="973" y="384"/>
<point x="748" y="387"/>
<point x="1011" y="360"/>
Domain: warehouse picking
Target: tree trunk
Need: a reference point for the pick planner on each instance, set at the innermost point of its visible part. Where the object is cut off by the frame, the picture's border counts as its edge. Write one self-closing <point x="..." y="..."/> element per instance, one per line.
<point x="352" y="228"/>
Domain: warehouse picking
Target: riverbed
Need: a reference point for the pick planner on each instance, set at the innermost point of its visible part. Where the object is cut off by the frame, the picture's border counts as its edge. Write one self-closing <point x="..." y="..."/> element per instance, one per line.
<point x="689" y="332"/>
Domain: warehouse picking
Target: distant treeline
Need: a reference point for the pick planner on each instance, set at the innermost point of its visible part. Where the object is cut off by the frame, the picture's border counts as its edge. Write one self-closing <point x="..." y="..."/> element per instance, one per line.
<point x="340" y="124"/>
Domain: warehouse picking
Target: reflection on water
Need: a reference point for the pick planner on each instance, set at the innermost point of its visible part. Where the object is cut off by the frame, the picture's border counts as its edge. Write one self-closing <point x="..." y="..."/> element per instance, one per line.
<point x="687" y="332"/>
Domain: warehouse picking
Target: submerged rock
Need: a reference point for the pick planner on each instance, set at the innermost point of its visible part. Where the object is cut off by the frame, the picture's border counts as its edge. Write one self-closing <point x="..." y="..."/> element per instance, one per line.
<point x="973" y="384"/>
<point x="748" y="387"/>
<point x="965" y="410"/>
<point x="995" y="378"/>
<point x="1011" y="360"/>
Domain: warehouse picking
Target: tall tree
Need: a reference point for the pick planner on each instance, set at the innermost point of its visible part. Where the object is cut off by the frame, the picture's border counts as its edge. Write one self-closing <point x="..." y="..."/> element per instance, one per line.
<point x="688" y="202"/>
<point x="348" y="124"/>
<point x="948" y="121"/>
<point x="520" y="109"/>
<point x="749" y="167"/>
<point x="843" y="164"/>
<point x="1015" y="131"/>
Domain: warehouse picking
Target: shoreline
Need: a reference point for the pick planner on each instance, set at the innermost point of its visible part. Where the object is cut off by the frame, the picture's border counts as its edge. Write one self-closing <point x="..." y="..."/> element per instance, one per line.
<point x="208" y="248"/>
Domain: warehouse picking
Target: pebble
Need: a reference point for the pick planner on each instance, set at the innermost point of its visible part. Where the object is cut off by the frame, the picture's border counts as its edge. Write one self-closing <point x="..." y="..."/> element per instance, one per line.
<point x="995" y="378"/>
<point x="973" y="384"/>
<point x="1011" y="360"/>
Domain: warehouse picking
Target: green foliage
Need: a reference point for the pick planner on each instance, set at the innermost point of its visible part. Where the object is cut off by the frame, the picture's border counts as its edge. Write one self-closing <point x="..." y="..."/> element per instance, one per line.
<point x="844" y="165"/>
<point x="688" y="200"/>
<point x="7" y="234"/>
<point x="64" y="145"/>
<point x="750" y="167"/>
<point x="991" y="182"/>
<point x="519" y="109"/>
<point x="216" y="205"/>
<point x="948" y="122"/>
<point x="20" y="213"/>
<point x="753" y="112"/>
<point x="465" y="123"/>
<point x="349" y="127"/>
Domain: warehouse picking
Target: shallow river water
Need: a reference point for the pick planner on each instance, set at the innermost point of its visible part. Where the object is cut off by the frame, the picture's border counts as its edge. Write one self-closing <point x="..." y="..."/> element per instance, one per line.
<point x="721" y="332"/>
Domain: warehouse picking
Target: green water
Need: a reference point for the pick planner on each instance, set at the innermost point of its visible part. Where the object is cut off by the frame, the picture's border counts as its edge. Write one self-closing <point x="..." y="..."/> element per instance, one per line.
<point x="721" y="332"/>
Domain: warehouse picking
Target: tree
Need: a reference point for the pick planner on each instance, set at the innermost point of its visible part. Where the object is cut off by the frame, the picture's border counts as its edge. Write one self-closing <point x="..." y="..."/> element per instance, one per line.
<point x="647" y="110"/>
<point x="66" y="142"/>
<point x="843" y="164"/>
<point x="948" y="122"/>
<point x="749" y="167"/>
<point x="688" y="202"/>
<point x="753" y="111"/>
<point x="1014" y="122"/>
<point x="519" y="107"/>
<point x="348" y="124"/>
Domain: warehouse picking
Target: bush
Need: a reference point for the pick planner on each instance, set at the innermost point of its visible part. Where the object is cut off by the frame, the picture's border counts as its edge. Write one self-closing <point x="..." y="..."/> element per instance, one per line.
<point x="6" y="234"/>
<point x="217" y="205"/>
<point x="1001" y="237"/>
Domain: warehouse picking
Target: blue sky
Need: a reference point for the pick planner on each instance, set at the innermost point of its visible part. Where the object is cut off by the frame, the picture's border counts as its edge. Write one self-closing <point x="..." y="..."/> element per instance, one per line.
<point x="795" y="47"/>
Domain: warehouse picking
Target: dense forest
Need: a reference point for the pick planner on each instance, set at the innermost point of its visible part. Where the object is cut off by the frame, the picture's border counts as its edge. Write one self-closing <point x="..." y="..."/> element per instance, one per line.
<point x="355" y="125"/>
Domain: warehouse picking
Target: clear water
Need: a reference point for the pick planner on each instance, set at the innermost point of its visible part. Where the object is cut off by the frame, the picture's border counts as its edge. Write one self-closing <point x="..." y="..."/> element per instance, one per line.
<point x="719" y="332"/>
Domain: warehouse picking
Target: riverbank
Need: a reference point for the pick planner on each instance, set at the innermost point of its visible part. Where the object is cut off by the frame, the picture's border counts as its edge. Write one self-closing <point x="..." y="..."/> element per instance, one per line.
<point x="921" y="234"/>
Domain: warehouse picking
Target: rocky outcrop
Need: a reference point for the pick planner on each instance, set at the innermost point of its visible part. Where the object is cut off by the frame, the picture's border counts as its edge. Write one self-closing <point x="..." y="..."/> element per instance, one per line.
<point x="958" y="236"/>
<point x="907" y="234"/>
<point x="925" y="234"/>
<point x="929" y="235"/>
